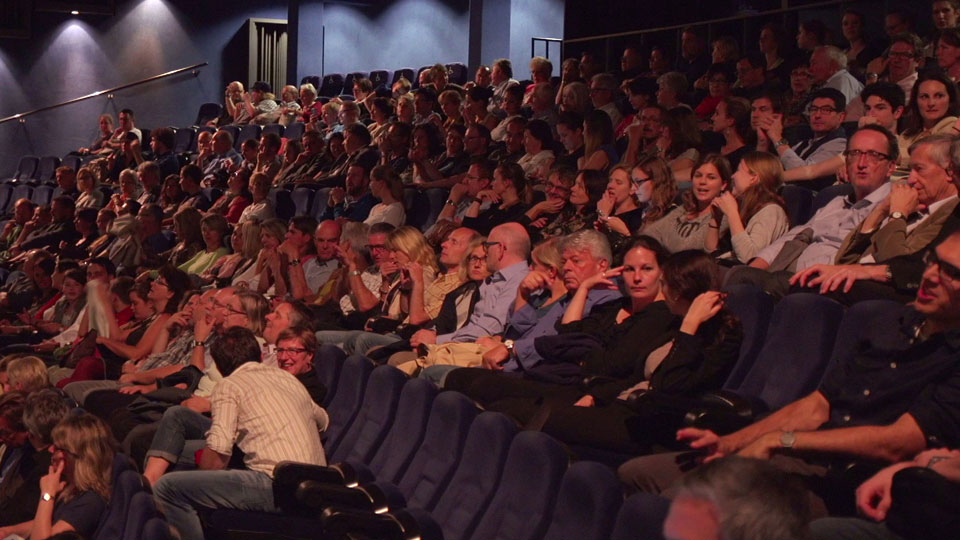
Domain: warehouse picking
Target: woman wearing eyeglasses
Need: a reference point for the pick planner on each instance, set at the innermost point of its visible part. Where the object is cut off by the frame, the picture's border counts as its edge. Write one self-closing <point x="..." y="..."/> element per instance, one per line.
<point x="933" y="109"/>
<point x="76" y="490"/>
<point x="634" y="198"/>
<point x="754" y="212"/>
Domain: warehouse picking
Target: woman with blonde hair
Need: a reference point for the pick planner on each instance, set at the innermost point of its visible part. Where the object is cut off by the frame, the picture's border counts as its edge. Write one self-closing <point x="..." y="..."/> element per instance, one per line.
<point x="90" y="196"/>
<point x="77" y="489"/>
<point x="755" y="214"/>
<point x="575" y="97"/>
<point x="186" y="225"/>
<point x="268" y="267"/>
<point x="599" y="151"/>
<point x="245" y="242"/>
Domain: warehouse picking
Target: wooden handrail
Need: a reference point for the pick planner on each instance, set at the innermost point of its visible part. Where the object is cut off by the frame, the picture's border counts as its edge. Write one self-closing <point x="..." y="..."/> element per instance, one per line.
<point x="21" y="116"/>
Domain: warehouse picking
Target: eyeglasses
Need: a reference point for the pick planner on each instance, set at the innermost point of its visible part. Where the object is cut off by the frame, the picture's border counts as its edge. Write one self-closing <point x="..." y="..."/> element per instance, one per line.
<point x="870" y="155"/>
<point x="220" y="305"/>
<point x="813" y="109"/>
<point x="945" y="269"/>
<point x="475" y="259"/>
<point x="558" y="188"/>
<point x="904" y="55"/>
<point x="379" y="247"/>
<point x="718" y="81"/>
<point x="640" y="180"/>
<point x="488" y="245"/>
<point x="291" y="351"/>
<point x="65" y="451"/>
<point x="161" y="282"/>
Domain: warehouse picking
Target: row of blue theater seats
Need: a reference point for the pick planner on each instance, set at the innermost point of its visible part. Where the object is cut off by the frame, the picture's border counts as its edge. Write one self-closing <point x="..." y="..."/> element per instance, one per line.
<point x="409" y="461"/>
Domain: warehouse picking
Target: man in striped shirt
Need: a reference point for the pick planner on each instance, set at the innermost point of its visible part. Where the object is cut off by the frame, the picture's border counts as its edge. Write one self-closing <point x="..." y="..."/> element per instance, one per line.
<point x="263" y="410"/>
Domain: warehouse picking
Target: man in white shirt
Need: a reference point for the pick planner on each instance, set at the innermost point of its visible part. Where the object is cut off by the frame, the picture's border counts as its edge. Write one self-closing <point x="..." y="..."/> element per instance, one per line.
<point x="265" y="411"/>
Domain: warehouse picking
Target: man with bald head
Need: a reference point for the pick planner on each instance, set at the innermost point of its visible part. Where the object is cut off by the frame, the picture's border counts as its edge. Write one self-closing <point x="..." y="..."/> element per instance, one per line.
<point x="508" y="247"/>
<point x="310" y="276"/>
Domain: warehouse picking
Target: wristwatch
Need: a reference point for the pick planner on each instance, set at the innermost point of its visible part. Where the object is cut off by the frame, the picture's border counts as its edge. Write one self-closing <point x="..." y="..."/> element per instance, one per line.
<point x="48" y="497"/>
<point x="787" y="439"/>
<point x="897" y="215"/>
<point x="356" y="273"/>
<point x="198" y="343"/>
<point x="782" y="142"/>
<point x="293" y="262"/>
<point x="508" y="344"/>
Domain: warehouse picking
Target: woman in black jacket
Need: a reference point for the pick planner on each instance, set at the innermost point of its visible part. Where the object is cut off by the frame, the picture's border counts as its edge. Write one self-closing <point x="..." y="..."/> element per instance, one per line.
<point x="631" y="413"/>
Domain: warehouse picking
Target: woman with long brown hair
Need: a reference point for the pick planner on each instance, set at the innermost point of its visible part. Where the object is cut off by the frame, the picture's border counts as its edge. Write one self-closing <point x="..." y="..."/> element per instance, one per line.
<point x="686" y="227"/>
<point x="754" y="212"/>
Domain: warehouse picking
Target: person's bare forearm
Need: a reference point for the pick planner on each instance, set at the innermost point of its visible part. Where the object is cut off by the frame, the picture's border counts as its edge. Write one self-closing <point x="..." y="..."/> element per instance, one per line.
<point x="805" y="414"/>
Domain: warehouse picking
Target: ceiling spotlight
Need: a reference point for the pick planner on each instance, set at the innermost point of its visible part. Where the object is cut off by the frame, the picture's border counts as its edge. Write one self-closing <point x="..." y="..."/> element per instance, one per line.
<point x="74" y="12"/>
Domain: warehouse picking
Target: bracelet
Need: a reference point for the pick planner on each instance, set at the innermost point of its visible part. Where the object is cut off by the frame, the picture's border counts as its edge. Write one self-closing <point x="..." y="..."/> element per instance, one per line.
<point x="451" y="202"/>
<point x="293" y="262"/>
<point x="198" y="343"/>
<point x="356" y="273"/>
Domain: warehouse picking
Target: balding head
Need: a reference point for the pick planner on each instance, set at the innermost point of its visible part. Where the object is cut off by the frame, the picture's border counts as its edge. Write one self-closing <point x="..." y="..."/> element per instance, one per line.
<point x="326" y="238"/>
<point x="508" y="244"/>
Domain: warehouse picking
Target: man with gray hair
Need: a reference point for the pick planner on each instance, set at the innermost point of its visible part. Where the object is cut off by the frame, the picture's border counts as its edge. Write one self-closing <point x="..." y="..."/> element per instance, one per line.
<point x="603" y="94"/>
<point x="828" y="67"/>
<point x="738" y="499"/>
<point x="584" y="254"/>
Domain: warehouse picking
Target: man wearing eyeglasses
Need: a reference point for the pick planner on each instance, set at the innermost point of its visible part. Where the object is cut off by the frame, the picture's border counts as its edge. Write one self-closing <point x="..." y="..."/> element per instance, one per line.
<point x="900" y="63"/>
<point x="871" y="158"/>
<point x="886" y="400"/>
<point x="828" y="141"/>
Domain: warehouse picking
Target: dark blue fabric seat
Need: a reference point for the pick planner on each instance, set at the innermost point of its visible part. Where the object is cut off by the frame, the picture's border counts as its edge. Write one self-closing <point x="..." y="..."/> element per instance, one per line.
<point x="327" y="362"/>
<point x="380" y="77"/>
<point x="346" y="403"/>
<point x="302" y="200"/>
<point x="641" y="518"/>
<point x="799" y="203"/>
<point x="523" y="505"/>
<point x="294" y="131"/>
<point x="247" y="132"/>
<point x="207" y="112"/>
<point x="142" y="509"/>
<point x="754" y="307"/>
<point x="587" y="505"/>
<point x="405" y="73"/>
<point x="273" y="128"/>
<point x="370" y="427"/>
<point x="331" y="85"/>
<point x="185" y="140"/>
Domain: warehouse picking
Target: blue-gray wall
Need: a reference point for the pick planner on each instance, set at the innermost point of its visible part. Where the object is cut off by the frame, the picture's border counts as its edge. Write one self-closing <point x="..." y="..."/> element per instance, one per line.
<point x="67" y="57"/>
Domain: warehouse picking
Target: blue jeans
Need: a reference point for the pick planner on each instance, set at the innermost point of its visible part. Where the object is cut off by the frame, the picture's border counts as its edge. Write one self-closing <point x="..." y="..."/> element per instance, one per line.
<point x="364" y="341"/>
<point x="181" y="494"/>
<point x="178" y="434"/>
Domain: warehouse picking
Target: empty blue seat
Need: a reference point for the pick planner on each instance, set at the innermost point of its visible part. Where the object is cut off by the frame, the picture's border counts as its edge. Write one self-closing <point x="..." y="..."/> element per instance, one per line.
<point x="5" y="191"/>
<point x="47" y="169"/>
<point x="142" y="509"/>
<point x="346" y="403"/>
<point x="302" y="199"/>
<point x="186" y="140"/>
<point x="272" y="128"/>
<point x="328" y="369"/>
<point x="282" y="203"/>
<point x="405" y="73"/>
<point x="368" y="429"/>
<point x="294" y="131"/>
<point x="331" y="85"/>
<point x="156" y="529"/>
<point x="114" y="521"/>
<point x="42" y="195"/>
<point x="522" y="507"/>
<point x="26" y="168"/>
<point x="207" y="112"/>
<point x="247" y="132"/>
<point x="641" y="517"/>
<point x="799" y="344"/>
<point x="799" y="203"/>
<point x="380" y="78"/>
<point x="587" y="505"/>
<point x="71" y="161"/>
<point x="457" y="73"/>
<point x="753" y="306"/>
<point x="464" y="499"/>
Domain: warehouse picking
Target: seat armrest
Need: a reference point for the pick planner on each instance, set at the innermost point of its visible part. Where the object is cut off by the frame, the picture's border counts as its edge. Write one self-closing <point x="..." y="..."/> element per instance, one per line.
<point x="317" y="497"/>
<point x="288" y="477"/>
<point x="342" y="522"/>
<point x="724" y="412"/>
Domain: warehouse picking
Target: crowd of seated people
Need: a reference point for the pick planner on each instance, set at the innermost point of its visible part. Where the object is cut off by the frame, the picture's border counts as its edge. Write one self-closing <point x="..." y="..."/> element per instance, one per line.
<point x="556" y="253"/>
